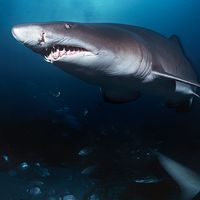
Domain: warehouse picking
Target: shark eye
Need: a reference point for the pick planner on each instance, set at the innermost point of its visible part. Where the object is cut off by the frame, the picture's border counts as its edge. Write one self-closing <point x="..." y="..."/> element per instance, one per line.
<point x="68" y="26"/>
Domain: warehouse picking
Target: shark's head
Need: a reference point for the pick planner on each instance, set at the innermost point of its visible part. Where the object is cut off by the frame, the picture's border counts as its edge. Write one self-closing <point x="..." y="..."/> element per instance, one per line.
<point x="83" y="49"/>
<point x="58" y="42"/>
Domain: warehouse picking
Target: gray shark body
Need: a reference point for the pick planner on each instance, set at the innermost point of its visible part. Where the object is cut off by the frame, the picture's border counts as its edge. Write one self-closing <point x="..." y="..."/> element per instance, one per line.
<point x="188" y="181"/>
<point x="124" y="61"/>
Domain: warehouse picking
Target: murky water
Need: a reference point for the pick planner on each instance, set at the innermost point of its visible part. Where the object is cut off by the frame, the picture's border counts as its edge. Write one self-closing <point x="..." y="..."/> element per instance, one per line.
<point x="59" y="140"/>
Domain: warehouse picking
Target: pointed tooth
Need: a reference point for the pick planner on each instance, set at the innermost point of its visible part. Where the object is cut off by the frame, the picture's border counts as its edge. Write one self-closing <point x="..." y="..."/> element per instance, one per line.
<point x="50" y="57"/>
<point x="62" y="53"/>
<point x="54" y="56"/>
<point x="58" y="52"/>
<point x="46" y="59"/>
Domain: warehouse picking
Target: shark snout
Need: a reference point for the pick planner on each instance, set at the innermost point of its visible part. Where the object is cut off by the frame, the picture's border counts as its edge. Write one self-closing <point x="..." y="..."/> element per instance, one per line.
<point x="27" y="34"/>
<point x="17" y="33"/>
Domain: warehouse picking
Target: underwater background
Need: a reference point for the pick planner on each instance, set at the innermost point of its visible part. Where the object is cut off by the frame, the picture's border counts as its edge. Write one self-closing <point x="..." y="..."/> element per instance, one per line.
<point x="60" y="140"/>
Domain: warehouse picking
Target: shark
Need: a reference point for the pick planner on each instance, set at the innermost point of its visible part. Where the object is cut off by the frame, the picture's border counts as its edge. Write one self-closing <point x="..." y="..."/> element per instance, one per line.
<point x="187" y="180"/>
<point x="124" y="61"/>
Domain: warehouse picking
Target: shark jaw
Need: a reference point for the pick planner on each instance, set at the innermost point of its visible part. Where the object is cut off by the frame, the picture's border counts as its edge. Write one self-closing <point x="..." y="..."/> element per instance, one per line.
<point x="53" y="45"/>
<point x="64" y="53"/>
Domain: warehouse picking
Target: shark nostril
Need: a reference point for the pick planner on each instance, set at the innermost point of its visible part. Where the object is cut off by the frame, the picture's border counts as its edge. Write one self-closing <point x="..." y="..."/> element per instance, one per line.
<point x="41" y="41"/>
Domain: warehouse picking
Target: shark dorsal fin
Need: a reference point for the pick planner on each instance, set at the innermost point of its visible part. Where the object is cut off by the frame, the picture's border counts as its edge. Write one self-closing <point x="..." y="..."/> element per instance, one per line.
<point x="175" y="39"/>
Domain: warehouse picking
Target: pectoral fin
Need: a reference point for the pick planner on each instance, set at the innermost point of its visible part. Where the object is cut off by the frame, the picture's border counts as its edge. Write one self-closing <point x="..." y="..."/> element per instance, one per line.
<point x="176" y="78"/>
<point x="188" y="181"/>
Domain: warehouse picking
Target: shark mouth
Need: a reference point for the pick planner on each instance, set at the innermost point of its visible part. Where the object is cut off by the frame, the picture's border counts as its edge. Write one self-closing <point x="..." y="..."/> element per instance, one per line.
<point x="58" y="52"/>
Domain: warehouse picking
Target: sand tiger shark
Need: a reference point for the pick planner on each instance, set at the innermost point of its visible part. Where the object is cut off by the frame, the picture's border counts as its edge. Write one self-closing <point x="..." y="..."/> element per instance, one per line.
<point x="124" y="61"/>
<point x="187" y="180"/>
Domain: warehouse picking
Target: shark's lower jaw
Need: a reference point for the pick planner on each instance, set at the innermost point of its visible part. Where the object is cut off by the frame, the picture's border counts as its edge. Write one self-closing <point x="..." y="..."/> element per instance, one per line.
<point x="62" y="52"/>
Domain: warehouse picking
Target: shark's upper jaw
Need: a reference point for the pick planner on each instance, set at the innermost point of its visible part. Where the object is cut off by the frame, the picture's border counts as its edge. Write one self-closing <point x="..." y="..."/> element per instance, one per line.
<point x="64" y="52"/>
<point x="52" y="45"/>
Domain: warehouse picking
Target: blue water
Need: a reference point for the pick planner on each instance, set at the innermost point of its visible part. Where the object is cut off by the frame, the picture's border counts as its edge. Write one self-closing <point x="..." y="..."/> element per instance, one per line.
<point x="40" y="104"/>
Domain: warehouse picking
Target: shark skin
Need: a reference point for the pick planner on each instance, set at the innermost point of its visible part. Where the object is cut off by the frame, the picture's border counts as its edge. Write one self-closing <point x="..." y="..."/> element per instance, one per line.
<point x="188" y="180"/>
<point x="123" y="60"/>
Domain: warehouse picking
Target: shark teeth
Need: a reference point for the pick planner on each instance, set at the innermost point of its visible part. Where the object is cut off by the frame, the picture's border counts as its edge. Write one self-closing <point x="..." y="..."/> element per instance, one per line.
<point x="55" y="53"/>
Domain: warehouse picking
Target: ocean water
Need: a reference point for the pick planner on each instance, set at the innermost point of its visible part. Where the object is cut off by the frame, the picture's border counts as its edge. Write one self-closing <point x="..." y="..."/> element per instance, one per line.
<point x="60" y="140"/>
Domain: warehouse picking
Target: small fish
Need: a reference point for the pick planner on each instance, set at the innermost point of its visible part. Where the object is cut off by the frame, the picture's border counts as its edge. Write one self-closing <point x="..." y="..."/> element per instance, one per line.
<point x="35" y="191"/>
<point x="94" y="197"/>
<point x="5" y="158"/>
<point x="86" y="151"/>
<point x="85" y="112"/>
<point x="24" y="166"/>
<point x="89" y="170"/>
<point x="69" y="197"/>
<point x="148" y="180"/>
<point x="43" y="172"/>
<point x="55" y="94"/>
